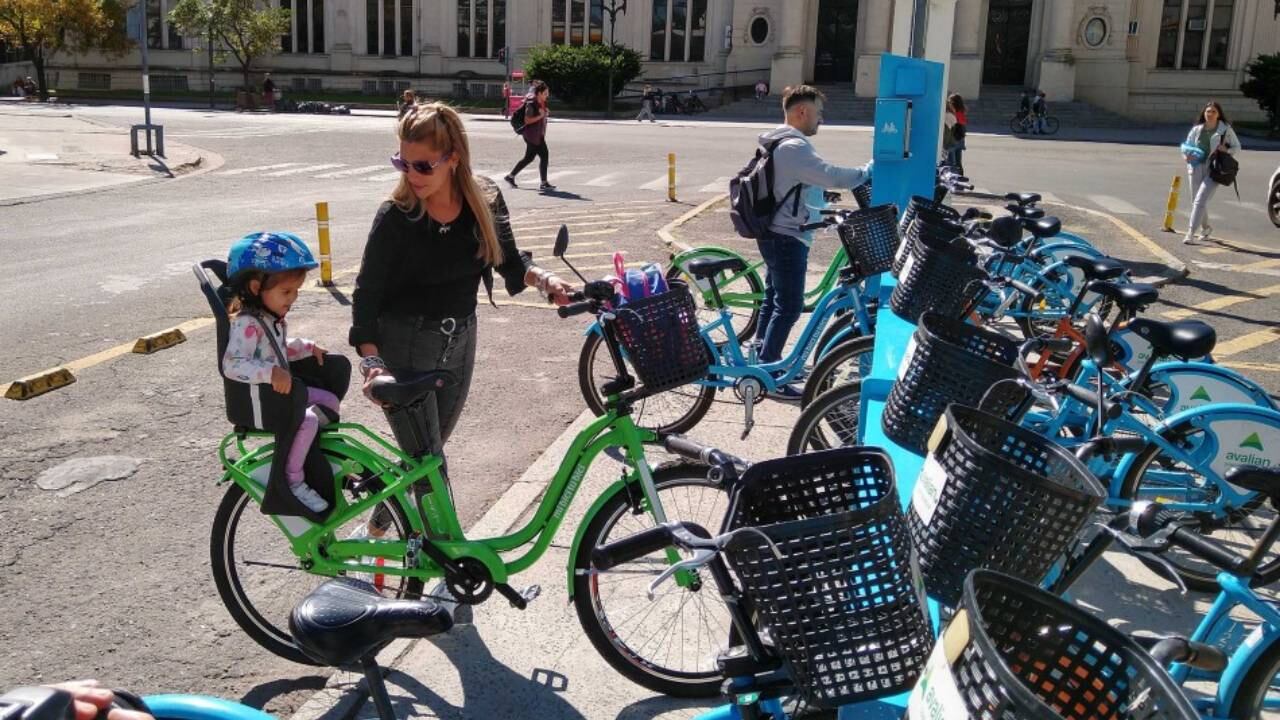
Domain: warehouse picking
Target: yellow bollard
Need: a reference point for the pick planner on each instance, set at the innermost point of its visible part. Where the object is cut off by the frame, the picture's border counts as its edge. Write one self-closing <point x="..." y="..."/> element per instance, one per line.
<point x="1173" y="203"/>
<point x="322" y="231"/>
<point x="671" y="177"/>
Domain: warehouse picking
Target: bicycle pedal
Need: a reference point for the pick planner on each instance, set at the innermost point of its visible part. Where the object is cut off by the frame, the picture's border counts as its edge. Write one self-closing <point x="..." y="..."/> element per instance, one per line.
<point x="519" y="599"/>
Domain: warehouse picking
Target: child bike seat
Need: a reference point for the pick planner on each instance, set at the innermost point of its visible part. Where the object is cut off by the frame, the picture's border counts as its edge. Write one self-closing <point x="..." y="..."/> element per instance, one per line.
<point x="1257" y="479"/>
<point x="1185" y="339"/>
<point x="1023" y="198"/>
<point x="344" y="620"/>
<point x="705" y="268"/>
<point x="414" y="387"/>
<point x="1103" y="268"/>
<point x="1129" y="296"/>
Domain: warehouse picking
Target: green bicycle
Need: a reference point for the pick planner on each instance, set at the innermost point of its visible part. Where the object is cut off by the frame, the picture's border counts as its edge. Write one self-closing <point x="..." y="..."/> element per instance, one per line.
<point x="261" y="563"/>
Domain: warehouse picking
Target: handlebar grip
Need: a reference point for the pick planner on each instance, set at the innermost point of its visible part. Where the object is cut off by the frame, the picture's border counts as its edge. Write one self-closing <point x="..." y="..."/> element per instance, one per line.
<point x="1205" y="549"/>
<point x="1023" y="288"/>
<point x="631" y="547"/>
<point x="813" y="226"/>
<point x="565" y="311"/>
<point x="1081" y="393"/>
<point x="697" y="452"/>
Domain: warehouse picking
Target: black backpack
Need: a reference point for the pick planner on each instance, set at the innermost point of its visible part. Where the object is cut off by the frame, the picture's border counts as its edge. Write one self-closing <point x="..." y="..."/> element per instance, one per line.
<point x="1223" y="167"/>
<point x="517" y="118"/>
<point x="752" y="204"/>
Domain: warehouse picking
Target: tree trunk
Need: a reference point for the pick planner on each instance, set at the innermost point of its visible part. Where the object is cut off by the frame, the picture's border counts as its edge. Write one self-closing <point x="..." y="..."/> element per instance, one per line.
<point x="37" y="59"/>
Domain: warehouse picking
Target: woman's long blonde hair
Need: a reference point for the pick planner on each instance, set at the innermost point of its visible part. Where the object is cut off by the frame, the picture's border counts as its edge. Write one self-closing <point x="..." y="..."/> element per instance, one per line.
<point x="439" y="126"/>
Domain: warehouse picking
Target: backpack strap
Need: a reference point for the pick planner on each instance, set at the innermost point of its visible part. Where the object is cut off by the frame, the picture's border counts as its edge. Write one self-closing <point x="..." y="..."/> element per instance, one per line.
<point x="795" y="205"/>
<point x="271" y="337"/>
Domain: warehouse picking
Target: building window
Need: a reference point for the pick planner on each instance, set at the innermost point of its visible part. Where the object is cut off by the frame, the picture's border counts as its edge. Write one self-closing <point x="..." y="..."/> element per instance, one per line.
<point x="388" y="27"/>
<point x="1195" y="34"/>
<point x="577" y="22"/>
<point x="596" y="35"/>
<point x="674" y="22"/>
<point x="482" y="28"/>
<point x="759" y="29"/>
<point x="162" y="34"/>
<point x="306" y="32"/>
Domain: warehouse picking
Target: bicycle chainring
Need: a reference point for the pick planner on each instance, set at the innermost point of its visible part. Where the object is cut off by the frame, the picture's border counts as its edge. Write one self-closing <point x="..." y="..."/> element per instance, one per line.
<point x="473" y="586"/>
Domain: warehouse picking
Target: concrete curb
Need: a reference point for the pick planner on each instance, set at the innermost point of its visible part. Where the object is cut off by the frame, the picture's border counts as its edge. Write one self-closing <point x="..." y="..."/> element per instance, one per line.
<point x="664" y="232"/>
<point x="345" y="692"/>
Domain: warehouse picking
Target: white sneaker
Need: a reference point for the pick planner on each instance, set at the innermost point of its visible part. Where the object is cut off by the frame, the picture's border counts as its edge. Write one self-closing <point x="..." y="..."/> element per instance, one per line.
<point x="1206" y="231"/>
<point x="309" y="497"/>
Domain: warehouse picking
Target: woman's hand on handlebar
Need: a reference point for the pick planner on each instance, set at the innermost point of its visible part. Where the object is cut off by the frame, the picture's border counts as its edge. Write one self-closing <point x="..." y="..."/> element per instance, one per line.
<point x="559" y="291"/>
<point x="90" y="699"/>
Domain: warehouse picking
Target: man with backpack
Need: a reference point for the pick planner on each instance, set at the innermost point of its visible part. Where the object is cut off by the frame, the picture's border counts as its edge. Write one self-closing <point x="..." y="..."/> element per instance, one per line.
<point x="530" y="122"/>
<point x="773" y="200"/>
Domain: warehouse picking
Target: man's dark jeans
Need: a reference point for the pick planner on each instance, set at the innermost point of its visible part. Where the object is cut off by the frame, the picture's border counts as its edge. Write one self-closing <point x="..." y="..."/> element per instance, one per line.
<point x="787" y="260"/>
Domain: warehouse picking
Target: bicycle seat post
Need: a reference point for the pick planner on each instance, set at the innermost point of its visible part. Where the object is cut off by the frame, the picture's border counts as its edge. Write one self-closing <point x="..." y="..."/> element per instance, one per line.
<point x="377" y="687"/>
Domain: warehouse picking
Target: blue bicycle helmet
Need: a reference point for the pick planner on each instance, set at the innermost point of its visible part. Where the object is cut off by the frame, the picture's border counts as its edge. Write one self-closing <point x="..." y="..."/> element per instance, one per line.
<point x="269" y="252"/>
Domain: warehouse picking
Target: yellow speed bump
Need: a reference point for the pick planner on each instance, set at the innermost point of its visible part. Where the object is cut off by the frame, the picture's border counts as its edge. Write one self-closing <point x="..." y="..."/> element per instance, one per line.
<point x="39" y="384"/>
<point x="158" y="341"/>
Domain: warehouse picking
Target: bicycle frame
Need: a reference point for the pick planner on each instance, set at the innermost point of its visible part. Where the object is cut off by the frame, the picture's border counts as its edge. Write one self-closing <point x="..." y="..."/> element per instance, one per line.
<point x="320" y="554"/>
<point x="748" y="300"/>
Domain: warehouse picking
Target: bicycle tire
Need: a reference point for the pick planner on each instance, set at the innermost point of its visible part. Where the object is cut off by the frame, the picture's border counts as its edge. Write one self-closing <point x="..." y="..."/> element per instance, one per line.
<point x="623" y="512"/>
<point x="1016" y="126"/>
<point x="1200" y="576"/>
<point x="1246" y="703"/>
<point x="841" y="408"/>
<point x="692" y="402"/>
<point x="708" y="315"/>
<point x="1051" y="125"/>
<point x="833" y="370"/>
<point x="270" y="627"/>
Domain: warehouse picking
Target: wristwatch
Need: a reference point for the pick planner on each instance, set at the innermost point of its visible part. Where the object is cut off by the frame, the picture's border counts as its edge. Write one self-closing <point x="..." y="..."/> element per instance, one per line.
<point x="368" y="363"/>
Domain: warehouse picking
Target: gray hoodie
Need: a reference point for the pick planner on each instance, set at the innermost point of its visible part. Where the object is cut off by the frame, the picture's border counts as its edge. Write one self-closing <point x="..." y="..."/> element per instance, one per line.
<point x="796" y="163"/>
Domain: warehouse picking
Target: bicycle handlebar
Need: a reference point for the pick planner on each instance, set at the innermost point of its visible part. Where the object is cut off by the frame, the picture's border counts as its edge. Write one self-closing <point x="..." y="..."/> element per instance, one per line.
<point x="632" y="547"/>
<point x="578" y="308"/>
<point x="1148" y="518"/>
<point x="697" y="452"/>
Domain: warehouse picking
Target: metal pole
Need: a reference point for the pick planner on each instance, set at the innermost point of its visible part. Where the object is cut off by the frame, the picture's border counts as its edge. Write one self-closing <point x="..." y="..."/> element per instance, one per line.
<point x="146" y="79"/>
<point x="613" y="20"/>
<point x="322" y="232"/>
<point x="671" y="177"/>
<point x="211" y="83"/>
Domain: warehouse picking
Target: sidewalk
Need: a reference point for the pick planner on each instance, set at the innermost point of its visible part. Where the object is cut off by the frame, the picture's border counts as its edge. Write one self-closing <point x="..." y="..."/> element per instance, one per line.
<point x="45" y="150"/>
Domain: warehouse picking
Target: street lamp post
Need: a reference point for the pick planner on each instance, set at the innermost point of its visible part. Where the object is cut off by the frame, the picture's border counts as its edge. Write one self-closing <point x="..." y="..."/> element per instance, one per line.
<point x="613" y="9"/>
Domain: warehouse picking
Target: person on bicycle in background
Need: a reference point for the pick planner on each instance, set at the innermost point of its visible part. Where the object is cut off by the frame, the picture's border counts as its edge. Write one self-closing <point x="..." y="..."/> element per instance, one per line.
<point x="800" y="177"/>
<point x="1039" y="109"/>
<point x="1024" y="104"/>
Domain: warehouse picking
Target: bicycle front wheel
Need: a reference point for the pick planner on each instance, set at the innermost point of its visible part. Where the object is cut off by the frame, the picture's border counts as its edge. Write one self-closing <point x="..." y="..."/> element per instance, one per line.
<point x="1258" y="695"/>
<point x="830" y="421"/>
<point x="668" y="645"/>
<point x="848" y="362"/>
<point x="1050" y="125"/>
<point x="1016" y="125"/>
<point x="675" y="411"/>
<point x="258" y="576"/>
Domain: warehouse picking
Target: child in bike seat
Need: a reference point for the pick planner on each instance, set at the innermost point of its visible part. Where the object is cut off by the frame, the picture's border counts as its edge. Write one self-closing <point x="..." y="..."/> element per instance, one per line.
<point x="265" y="271"/>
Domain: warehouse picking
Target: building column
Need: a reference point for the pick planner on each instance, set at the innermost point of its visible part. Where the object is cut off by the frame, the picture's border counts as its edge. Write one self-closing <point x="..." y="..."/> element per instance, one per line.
<point x="875" y="42"/>
<point x="966" y="55"/>
<point x="1057" y="65"/>
<point x="788" y="62"/>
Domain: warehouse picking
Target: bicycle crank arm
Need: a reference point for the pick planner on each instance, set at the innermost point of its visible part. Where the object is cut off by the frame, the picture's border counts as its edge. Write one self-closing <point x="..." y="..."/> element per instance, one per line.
<point x="519" y="599"/>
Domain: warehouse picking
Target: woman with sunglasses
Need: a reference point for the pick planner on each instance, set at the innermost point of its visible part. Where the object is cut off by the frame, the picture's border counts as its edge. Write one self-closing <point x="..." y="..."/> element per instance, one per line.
<point x="443" y="233"/>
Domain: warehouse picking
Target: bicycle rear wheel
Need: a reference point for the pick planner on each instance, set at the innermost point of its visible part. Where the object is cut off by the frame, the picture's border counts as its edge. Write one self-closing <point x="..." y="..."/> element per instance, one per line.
<point x="675" y="411"/>
<point x="847" y="362"/>
<point x="1050" y="125"/>
<point x="258" y="576"/>
<point x="743" y="295"/>
<point x="1258" y="695"/>
<point x="830" y="421"/>
<point x="1016" y="125"/>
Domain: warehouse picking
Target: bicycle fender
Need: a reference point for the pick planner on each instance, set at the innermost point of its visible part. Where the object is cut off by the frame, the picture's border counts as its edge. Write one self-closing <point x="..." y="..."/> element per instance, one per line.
<point x="1206" y="384"/>
<point x="592" y="329"/>
<point x="617" y="487"/>
<point x="683" y="256"/>
<point x="1241" y="661"/>
<point x="1198" y="416"/>
<point x="200" y="707"/>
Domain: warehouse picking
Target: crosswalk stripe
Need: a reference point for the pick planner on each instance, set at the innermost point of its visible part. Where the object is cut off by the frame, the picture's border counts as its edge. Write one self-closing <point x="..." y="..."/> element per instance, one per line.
<point x="385" y="177"/>
<point x="596" y="215"/>
<point x="658" y="183"/>
<point x="305" y="169"/>
<point x="1116" y="205"/>
<point x="720" y="184"/>
<point x="1244" y="343"/>
<point x="1221" y="303"/>
<point x="1228" y="267"/>
<point x="608" y="180"/>
<point x="556" y="226"/>
<point x="593" y="243"/>
<point x="1246" y="205"/>
<point x="610" y="231"/>
<point x="241" y="171"/>
<point x="1253" y="367"/>
<point x="562" y="174"/>
<point x="352" y="172"/>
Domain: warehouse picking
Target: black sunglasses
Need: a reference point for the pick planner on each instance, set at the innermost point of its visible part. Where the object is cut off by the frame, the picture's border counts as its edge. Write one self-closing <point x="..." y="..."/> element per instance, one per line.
<point x="422" y="167"/>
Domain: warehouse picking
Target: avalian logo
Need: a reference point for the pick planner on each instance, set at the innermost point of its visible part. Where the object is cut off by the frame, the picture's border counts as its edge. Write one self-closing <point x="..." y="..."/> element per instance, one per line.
<point x="1252" y="442"/>
<point x="1201" y="394"/>
<point x="890" y="128"/>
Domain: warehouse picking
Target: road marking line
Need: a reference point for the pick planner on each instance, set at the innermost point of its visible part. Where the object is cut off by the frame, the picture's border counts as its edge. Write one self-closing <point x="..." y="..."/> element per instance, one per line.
<point x="385" y="177"/>
<point x="562" y="174"/>
<point x="1227" y="267"/>
<point x="1116" y="205"/>
<point x="1253" y="367"/>
<point x="552" y="247"/>
<point x="608" y="231"/>
<point x="1214" y="250"/>
<point x="592" y="216"/>
<point x="717" y="185"/>
<point x="352" y="172"/>
<point x="1247" y="342"/>
<point x="556" y="226"/>
<point x="1261" y="265"/>
<point x="306" y="169"/>
<point x="1225" y="301"/>
<point x="658" y="183"/>
<point x="608" y="180"/>
<point x="241" y="171"/>
<point x="1246" y="205"/>
<point x="1170" y="261"/>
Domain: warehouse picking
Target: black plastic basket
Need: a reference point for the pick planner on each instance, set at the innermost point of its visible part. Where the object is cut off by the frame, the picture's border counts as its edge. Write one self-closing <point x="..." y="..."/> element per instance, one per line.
<point x="917" y="203"/>
<point x="995" y="496"/>
<point x="660" y="335"/>
<point x="845" y="605"/>
<point x="928" y="224"/>
<point x="870" y="238"/>
<point x="1033" y="656"/>
<point x="862" y="195"/>
<point x="938" y="276"/>
<point x="946" y="362"/>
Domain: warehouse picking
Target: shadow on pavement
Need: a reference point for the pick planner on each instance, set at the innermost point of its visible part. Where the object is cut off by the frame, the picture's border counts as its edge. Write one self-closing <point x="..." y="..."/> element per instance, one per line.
<point x="260" y="695"/>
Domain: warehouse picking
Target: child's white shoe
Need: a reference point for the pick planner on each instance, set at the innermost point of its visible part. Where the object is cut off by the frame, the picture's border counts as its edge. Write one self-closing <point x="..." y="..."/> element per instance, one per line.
<point x="309" y="497"/>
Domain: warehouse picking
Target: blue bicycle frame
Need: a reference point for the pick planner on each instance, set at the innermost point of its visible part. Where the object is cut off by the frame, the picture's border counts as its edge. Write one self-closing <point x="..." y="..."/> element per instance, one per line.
<point x="200" y="707"/>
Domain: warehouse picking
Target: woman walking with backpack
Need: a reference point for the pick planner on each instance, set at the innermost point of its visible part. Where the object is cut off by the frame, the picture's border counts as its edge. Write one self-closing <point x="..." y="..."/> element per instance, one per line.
<point x="1211" y="134"/>
<point x="534" y="132"/>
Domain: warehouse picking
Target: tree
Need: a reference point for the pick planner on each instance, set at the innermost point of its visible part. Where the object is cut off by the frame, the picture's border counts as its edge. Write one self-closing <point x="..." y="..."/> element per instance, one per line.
<point x="580" y="74"/>
<point x="248" y="29"/>
<point x="44" y="28"/>
<point x="1263" y="86"/>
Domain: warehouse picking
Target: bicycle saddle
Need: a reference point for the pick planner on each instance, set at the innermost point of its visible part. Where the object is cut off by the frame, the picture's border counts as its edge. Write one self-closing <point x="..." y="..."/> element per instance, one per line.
<point x="705" y="268"/>
<point x="1044" y="227"/>
<point x="1026" y="213"/>
<point x="1130" y="296"/>
<point x="412" y="388"/>
<point x="345" y="620"/>
<point x="1262" y="480"/>
<point x="1185" y="338"/>
<point x="1023" y="198"/>
<point x="1005" y="231"/>
<point x="1103" y="268"/>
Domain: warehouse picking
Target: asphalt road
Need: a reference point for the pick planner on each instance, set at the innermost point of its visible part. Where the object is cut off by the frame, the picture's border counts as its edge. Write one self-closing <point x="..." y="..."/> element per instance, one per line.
<point x="114" y="581"/>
